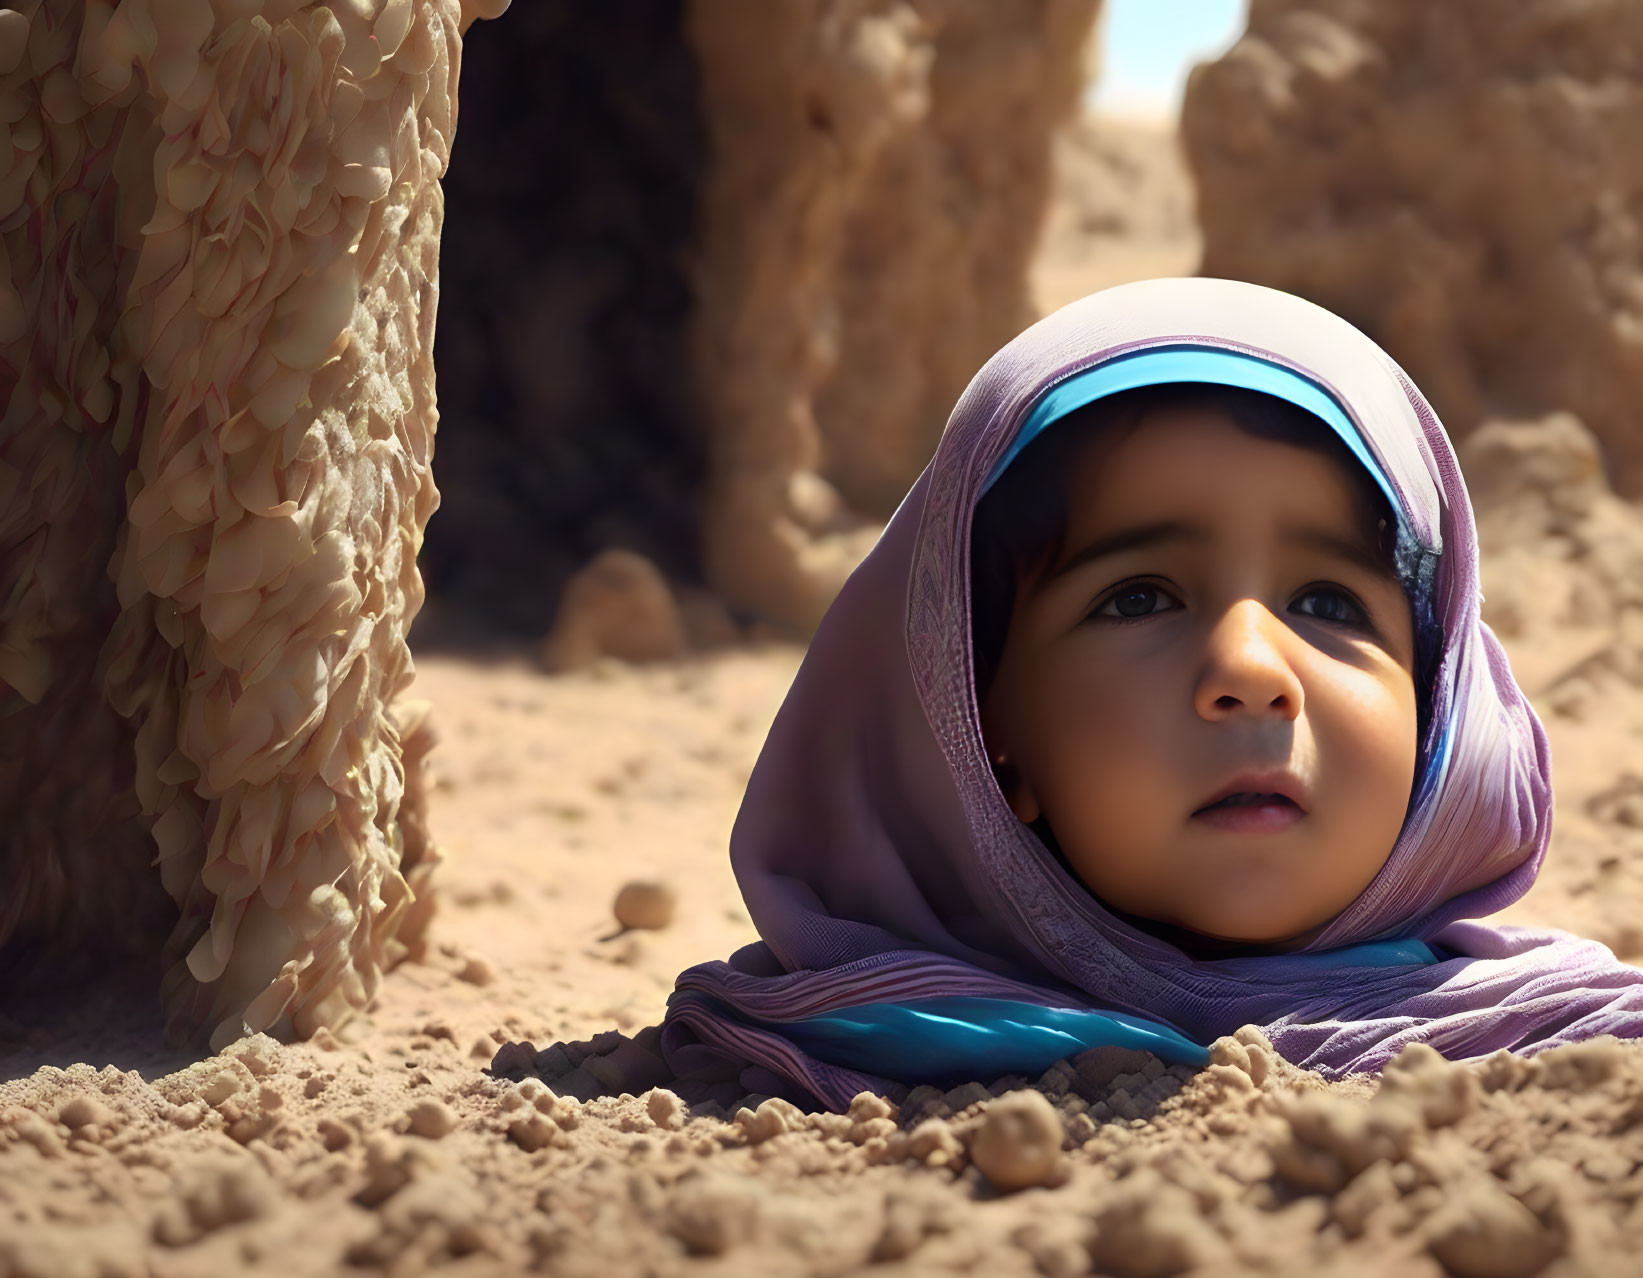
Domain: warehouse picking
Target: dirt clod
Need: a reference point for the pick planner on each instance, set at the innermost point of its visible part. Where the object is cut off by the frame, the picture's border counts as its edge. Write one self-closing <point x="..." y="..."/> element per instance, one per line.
<point x="646" y="904"/>
<point x="1019" y="1142"/>
<point x="712" y="1214"/>
<point x="1483" y="1232"/>
<point x="666" y="1110"/>
<point x="431" y="1119"/>
<point x="83" y="1112"/>
<point x="478" y="970"/>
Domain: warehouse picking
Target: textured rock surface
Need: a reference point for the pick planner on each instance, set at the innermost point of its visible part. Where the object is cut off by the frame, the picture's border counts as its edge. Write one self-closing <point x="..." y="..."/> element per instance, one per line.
<point x="879" y="173"/>
<point x="1461" y="180"/>
<point x="221" y="235"/>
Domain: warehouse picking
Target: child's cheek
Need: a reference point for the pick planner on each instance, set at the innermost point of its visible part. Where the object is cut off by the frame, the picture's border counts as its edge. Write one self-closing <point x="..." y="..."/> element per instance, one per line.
<point x="1102" y="726"/>
<point x="1365" y="728"/>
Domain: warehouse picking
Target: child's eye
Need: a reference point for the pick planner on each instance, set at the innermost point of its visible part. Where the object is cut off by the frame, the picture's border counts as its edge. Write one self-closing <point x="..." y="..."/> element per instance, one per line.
<point x="1338" y="606"/>
<point x="1133" y="602"/>
<point x="1140" y="600"/>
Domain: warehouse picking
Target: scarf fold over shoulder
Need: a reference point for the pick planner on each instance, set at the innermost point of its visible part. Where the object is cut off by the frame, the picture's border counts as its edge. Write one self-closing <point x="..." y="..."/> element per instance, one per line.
<point x="884" y="870"/>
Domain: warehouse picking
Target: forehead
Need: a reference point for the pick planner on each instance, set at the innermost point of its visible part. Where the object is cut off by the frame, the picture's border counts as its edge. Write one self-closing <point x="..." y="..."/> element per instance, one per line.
<point x="1196" y="460"/>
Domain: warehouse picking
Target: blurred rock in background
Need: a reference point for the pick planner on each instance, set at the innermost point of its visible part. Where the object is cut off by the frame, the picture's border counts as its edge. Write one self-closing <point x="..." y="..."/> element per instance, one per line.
<point x="716" y="273"/>
<point x="1122" y="210"/>
<point x="1462" y="180"/>
<point x="567" y="415"/>
<point x="1562" y="565"/>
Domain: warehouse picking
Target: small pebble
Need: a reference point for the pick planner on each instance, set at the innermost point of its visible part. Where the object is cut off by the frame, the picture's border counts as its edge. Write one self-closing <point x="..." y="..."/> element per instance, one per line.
<point x="666" y="1110"/>
<point x="870" y="1105"/>
<point x="325" y="1040"/>
<point x="219" y="1087"/>
<point x="646" y="904"/>
<point x="478" y="970"/>
<point x="1019" y="1143"/>
<point x="934" y="1142"/>
<point x="532" y="1133"/>
<point x="774" y="1117"/>
<point x="85" y="1111"/>
<point x="431" y="1119"/>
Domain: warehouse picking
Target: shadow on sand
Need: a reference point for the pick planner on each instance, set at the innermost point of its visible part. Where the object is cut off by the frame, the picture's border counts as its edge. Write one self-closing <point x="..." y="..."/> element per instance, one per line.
<point x="102" y="1011"/>
<point x="612" y="1064"/>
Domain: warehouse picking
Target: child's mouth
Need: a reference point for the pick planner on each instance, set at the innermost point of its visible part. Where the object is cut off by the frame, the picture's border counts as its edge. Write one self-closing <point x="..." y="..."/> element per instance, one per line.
<point x="1251" y="813"/>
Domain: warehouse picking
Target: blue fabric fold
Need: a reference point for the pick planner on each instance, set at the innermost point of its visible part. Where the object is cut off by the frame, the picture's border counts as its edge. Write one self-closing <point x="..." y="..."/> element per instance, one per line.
<point x="937" y="1039"/>
<point x="946" y="1038"/>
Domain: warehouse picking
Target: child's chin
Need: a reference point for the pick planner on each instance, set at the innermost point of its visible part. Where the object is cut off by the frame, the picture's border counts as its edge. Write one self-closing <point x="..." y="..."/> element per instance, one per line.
<point x="1259" y="925"/>
<point x="1224" y="936"/>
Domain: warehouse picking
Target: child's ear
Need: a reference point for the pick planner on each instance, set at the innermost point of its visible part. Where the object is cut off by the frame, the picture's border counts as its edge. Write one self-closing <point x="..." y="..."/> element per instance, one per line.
<point x="1017" y="793"/>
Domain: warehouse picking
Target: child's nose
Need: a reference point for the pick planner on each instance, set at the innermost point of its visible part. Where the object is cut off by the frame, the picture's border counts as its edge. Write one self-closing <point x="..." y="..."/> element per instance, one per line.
<point x="1245" y="669"/>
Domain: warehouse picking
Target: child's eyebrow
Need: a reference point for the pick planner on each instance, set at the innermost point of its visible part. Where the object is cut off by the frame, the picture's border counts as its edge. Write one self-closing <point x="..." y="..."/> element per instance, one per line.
<point x="1347" y="549"/>
<point x="1350" y="549"/>
<point x="1131" y="539"/>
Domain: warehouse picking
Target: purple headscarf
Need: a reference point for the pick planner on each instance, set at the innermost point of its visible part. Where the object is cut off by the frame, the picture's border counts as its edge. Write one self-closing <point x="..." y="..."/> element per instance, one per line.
<point x="881" y="864"/>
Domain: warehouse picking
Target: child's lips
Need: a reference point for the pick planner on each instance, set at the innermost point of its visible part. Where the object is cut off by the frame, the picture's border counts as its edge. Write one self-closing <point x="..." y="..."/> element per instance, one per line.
<point x="1266" y="817"/>
<point x="1273" y="783"/>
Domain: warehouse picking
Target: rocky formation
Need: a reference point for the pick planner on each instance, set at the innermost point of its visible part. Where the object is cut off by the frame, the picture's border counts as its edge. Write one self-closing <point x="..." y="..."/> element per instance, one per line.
<point x="221" y="236"/>
<point x="1461" y="180"/>
<point x="717" y="272"/>
<point x="1562" y="562"/>
<point x="879" y="171"/>
<point x="221" y="233"/>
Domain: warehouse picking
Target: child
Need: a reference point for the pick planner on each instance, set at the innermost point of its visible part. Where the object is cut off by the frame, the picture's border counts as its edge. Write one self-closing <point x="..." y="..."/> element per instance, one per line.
<point x="1161" y="707"/>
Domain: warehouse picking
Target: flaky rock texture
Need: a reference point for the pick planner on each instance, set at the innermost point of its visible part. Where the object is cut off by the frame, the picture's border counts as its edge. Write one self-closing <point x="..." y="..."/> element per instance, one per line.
<point x="878" y="172"/>
<point x="221" y="227"/>
<point x="1461" y="180"/>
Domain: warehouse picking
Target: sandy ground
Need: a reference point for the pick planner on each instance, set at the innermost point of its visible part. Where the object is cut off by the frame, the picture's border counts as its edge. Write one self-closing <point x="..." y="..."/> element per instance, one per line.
<point x="417" y="1139"/>
<point x="394" y="1147"/>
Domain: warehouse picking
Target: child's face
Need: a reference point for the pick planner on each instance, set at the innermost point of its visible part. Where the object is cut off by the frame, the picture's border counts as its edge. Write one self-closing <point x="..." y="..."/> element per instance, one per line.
<point x="1246" y="655"/>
